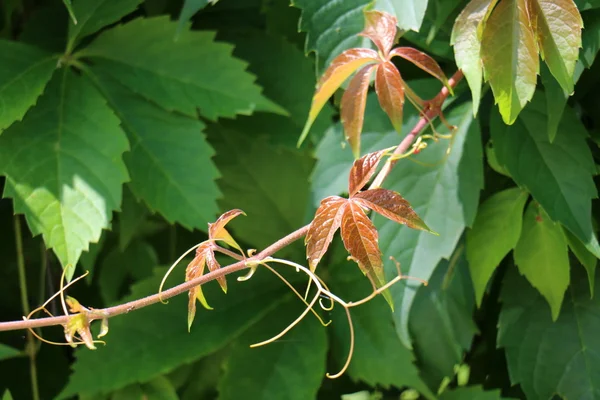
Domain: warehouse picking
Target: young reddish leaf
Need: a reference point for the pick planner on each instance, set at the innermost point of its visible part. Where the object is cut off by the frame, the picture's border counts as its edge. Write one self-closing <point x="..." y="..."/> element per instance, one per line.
<point x="362" y="170"/>
<point x="380" y="27"/>
<point x="195" y="269"/>
<point x="392" y="206"/>
<point x="213" y="265"/>
<point x="510" y="57"/>
<point x="360" y="239"/>
<point x="217" y="230"/>
<point x="390" y="92"/>
<point x="422" y="61"/>
<point x="353" y="105"/>
<point x="340" y="69"/>
<point x="558" y="29"/>
<point x="327" y="220"/>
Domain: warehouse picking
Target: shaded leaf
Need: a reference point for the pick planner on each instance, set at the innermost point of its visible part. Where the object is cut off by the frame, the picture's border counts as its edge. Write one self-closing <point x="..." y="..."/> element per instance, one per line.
<point x="380" y="28"/>
<point x="353" y="105"/>
<point x="421" y="60"/>
<point x="131" y="219"/>
<point x="538" y="356"/>
<point x="558" y="25"/>
<point x="8" y="352"/>
<point x="326" y="222"/>
<point x="392" y="206"/>
<point x="510" y="57"/>
<point x="191" y="7"/>
<point x="590" y="38"/>
<point x="466" y="40"/>
<point x="144" y="56"/>
<point x="542" y="256"/>
<point x="70" y="182"/>
<point x="24" y="74"/>
<point x="556" y="101"/>
<point x="362" y="170"/>
<point x="471" y="393"/>
<point x="495" y="233"/>
<point x="585" y="257"/>
<point x="390" y="92"/>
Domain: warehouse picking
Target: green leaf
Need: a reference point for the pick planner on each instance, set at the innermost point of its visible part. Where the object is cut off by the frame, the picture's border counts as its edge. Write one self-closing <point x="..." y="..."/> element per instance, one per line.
<point x="191" y="7"/>
<point x="93" y="15"/>
<point x="471" y="393"/>
<point x="441" y="320"/>
<point x="269" y="183"/>
<point x="467" y="44"/>
<point x="443" y="189"/>
<point x="291" y="368"/>
<point x="158" y="335"/>
<point x="410" y="13"/>
<point x="63" y="166"/>
<point x="380" y="358"/>
<point x="24" y="74"/>
<point x="556" y="101"/>
<point x="131" y="219"/>
<point x="88" y="258"/>
<point x="587" y="4"/>
<point x="7" y="395"/>
<point x="8" y="352"/>
<point x="558" y="175"/>
<point x="69" y="7"/>
<point x="510" y="57"/>
<point x="542" y="256"/>
<point x="145" y="56"/>
<point x="551" y="358"/>
<point x="179" y="183"/>
<point x="590" y="38"/>
<point x="495" y="233"/>
<point x="585" y="257"/>
<point x="158" y="388"/>
<point x="558" y="25"/>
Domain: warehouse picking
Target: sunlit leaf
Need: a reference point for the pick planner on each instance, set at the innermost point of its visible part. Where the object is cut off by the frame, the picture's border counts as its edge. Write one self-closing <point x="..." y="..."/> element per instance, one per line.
<point x="362" y="171"/>
<point x="380" y="27"/>
<point x="390" y="92"/>
<point x="217" y="229"/>
<point x="326" y="222"/>
<point x="421" y="60"/>
<point x="410" y="13"/>
<point x="353" y="105"/>
<point x="392" y="206"/>
<point x="510" y="57"/>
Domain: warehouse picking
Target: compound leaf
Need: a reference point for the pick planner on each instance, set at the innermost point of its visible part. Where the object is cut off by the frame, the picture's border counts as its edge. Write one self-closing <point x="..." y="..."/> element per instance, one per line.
<point x="326" y="222"/>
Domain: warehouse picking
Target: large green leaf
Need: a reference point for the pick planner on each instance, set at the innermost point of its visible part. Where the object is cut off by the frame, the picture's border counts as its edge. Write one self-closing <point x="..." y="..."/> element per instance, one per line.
<point x="441" y="320"/>
<point x="444" y="190"/>
<point x="24" y="72"/>
<point x="510" y="57"/>
<point x="542" y="256"/>
<point x="495" y="233"/>
<point x="556" y="101"/>
<point x="155" y="339"/>
<point x="291" y="368"/>
<point x="93" y="15"/>
<point x="379" y="356"/>
<point x="63" y="165"/>
<point x="175" y="73"/>
<point x="178" y="183"/>
<point x="551" y="358"/>
<point x="558" y="175"/>
<point x="131" y="219"/>
<point x="409" y="13"/>
<point x="471" y="393"/>
<point x="269" y="183"/>
<point x="558" y="26"/>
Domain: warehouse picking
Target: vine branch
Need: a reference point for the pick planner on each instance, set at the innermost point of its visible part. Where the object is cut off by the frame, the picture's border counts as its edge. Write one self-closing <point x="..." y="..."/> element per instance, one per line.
<point x="434" y="110"/>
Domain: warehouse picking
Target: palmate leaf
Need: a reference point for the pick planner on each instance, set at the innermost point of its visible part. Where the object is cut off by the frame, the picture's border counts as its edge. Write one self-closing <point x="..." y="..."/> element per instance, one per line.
<point x="25" y="70"/>
<point x="421" y="60"/>
<point x="145" y="56"/>
<point x="326" y="222"/>
<point x="63" y="166"/>
<point x="390" y="92"/>
<point x="362" y="171"/>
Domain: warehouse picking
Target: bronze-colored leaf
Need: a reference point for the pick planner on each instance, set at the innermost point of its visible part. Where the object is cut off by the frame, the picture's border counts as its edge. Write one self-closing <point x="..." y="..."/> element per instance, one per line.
<point x="360" y="239"/>
<point x="392" y="206"/>
<point x="79" y="324"/>
<point x="213" y="265"/>
<point x="380" y="27"/>
<point x="340" y="69"/>
<point x="328" y="219"/>
<point x="362" y="170"/>
<point x="353" y="105"/>
<point x="195" y="269"/>
<point x="390" y="92"/>
<point x="421" y="60"/>
<point x="217" y="230"/>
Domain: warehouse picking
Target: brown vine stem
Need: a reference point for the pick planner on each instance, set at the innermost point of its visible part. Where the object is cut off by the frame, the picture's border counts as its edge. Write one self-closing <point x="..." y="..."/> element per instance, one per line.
<point x="109" y="312"/>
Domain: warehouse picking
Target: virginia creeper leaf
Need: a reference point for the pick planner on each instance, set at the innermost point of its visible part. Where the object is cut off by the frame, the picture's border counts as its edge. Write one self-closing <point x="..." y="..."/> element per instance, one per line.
<point x="556" y="101"/>
<point x="25" y="72"/>
<point x="180" y="183"/>
<point x="217" y="229"/>
<point x="542" y="256"/>
<point x="69" y="182"/>
<point x="159" y="328"/>
<point x="195" y="269"/>
<point x="362" y="171"/>
<point x="380" y="28"/>
<point x="392" y="206"/>
<point x="495" y="233"/>
<point x="585" y="257"/>
<point x="558" y="175"/>
<point x="558" y="25"/>
<point x="466" y="40"/>
<point x="421" y="60"/>
<point x="290" y="369"/>
<point x="390" y="92"/>
<point x="538" y="356"/>
<point x="93" y="15"/>
<point x="410" y="13"/>
<point x="326" y="222"/>
<point x="510" y="57"/>
<point x="144" y="56"/>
